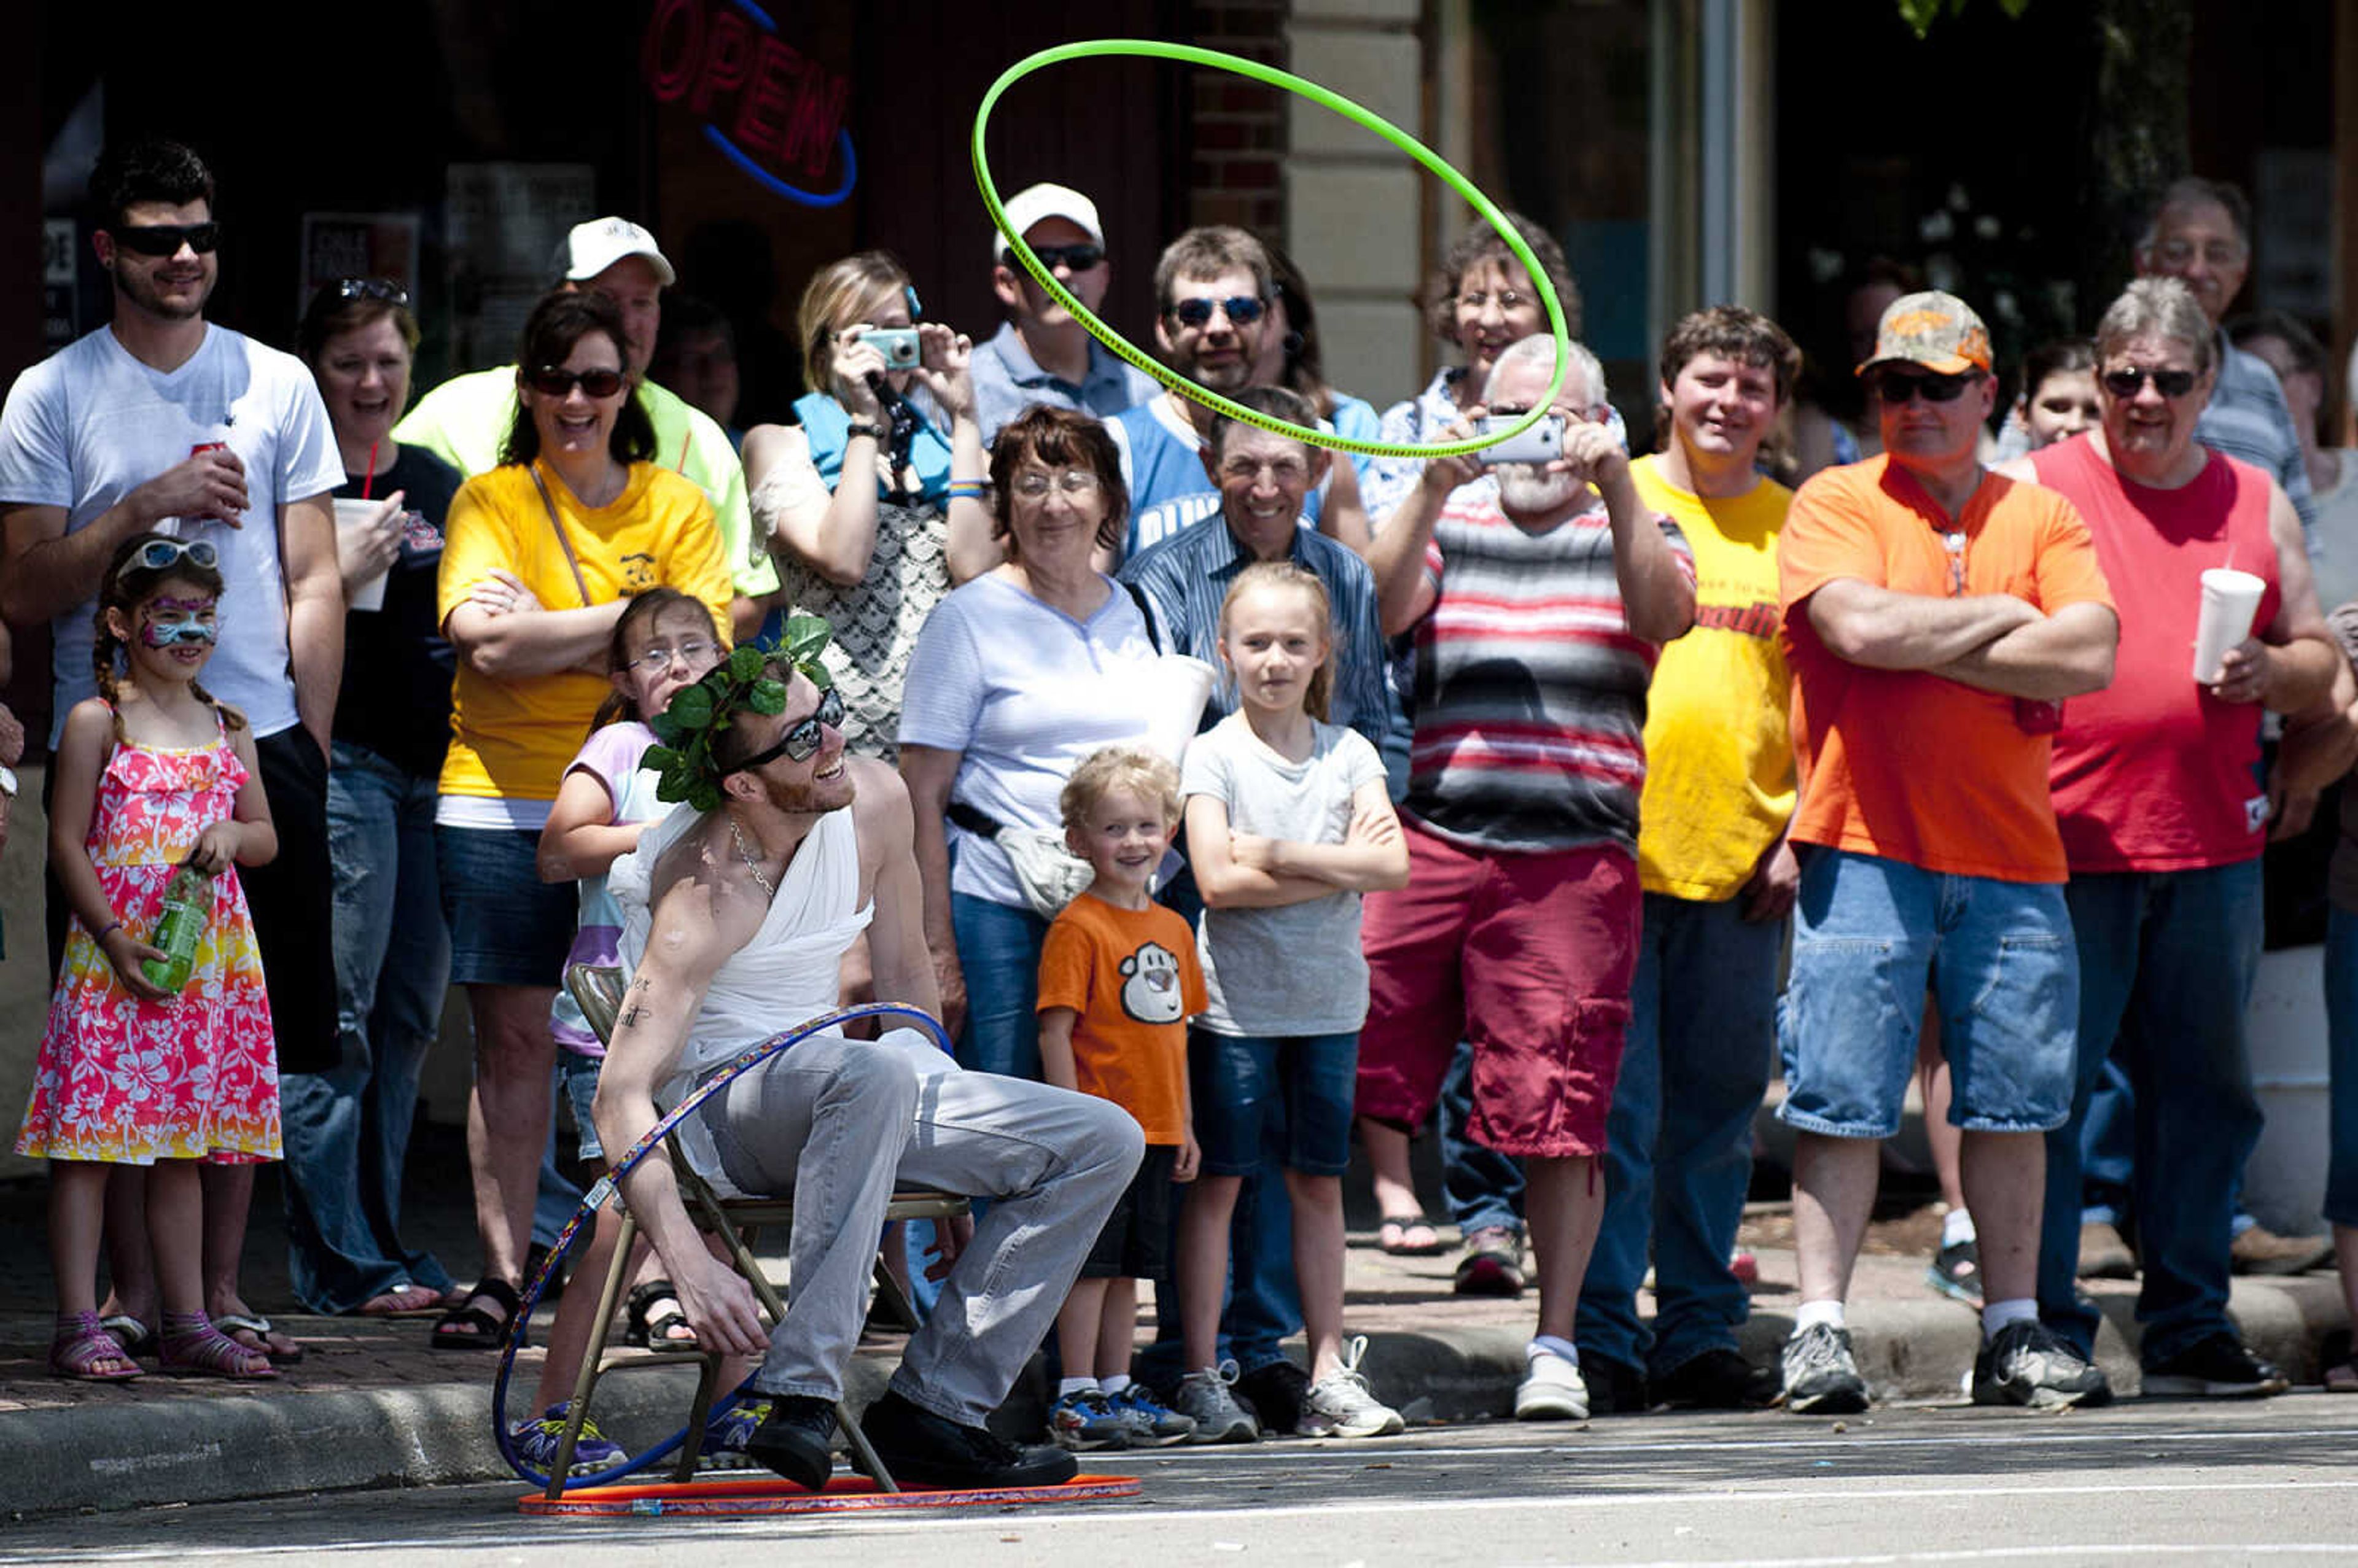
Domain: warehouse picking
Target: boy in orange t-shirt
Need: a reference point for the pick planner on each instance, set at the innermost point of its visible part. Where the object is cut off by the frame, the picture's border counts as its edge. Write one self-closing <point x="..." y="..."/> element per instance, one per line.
<point x="1118" y="979"/>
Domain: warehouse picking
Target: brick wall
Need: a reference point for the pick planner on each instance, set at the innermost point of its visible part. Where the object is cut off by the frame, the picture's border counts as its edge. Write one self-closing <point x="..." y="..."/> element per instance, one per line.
<point x="1237" y="124"/>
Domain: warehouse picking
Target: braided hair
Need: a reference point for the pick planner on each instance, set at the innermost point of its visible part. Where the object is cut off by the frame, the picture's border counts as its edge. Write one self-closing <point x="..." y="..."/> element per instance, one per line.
<point x="129" y="584"/>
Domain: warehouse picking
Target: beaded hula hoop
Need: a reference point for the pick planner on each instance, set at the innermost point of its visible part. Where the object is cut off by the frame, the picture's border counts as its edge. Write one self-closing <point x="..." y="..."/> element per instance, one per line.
<point x="1327" y="98"/>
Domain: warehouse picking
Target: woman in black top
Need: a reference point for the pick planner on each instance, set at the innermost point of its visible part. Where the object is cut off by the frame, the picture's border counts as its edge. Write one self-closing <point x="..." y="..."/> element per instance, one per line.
<point x="393" y="721"/>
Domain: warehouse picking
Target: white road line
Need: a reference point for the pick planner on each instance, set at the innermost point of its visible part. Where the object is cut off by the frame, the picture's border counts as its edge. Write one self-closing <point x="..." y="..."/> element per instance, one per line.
<point x="2076" y="1553"/>
<point x="563" y="1533"/>
<point x="1372" y="1452"/>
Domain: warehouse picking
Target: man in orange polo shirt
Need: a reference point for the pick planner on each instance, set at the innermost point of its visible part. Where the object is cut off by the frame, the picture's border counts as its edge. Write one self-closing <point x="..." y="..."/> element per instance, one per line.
<point x="1935" y="617"/>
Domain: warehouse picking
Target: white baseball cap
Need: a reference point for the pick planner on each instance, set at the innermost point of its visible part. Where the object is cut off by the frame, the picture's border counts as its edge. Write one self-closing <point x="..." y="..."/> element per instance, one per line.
<point x="595" y="245"/>
<point x="1035" y="202"/>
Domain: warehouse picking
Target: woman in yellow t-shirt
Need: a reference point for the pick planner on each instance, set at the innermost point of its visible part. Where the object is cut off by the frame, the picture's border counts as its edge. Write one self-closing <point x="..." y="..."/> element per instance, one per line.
<point x="540" y="558"/>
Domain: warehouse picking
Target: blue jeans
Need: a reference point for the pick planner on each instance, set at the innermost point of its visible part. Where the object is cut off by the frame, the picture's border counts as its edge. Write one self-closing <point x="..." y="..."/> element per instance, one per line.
<point x="2108" y="1150"/>
<point x="2341" y="1056"/>
<point x="393" y="963"/>
<point x="1870" y="935"/>
<point x="2165" y="967"/>
<point x="1678" y="1149"/>
<point x="999" y="950"/>
<point x="1295" y="1088"/>
<point x="1483" y="1187"/>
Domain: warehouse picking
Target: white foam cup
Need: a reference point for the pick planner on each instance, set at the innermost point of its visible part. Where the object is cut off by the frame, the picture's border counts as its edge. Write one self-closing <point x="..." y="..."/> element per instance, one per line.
<point x="1174" y="691"/>
<point x="350" y="515"/>
<point x="2230" y="599"/>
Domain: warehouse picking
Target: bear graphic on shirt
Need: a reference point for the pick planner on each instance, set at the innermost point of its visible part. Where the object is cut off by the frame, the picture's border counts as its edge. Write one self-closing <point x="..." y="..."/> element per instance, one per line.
<point x="1150" y="986"/>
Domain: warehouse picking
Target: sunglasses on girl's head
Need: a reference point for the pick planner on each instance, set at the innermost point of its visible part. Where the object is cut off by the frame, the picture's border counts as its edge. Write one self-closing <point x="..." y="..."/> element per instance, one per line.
<point x="1076" y="258"/>
<point x="1243" y="310"/>
<point x="802" y="743"/>
<point x="371" y="289"/>
<point x="555" y="380"/>
<point x="165" y="239"/>
<point x="2125" y="383"/>
<point x="1899" y="386"/>
<point x="157" y="553"/>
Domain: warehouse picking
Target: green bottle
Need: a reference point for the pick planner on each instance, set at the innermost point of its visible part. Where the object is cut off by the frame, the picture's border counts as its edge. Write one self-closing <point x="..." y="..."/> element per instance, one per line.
<point x="187" y="907"/>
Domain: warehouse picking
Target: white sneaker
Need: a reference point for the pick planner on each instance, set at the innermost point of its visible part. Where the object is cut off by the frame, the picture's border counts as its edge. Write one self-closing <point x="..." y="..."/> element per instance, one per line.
<point x="1341" y="1405"/>
<point x="1552" y="1389"/>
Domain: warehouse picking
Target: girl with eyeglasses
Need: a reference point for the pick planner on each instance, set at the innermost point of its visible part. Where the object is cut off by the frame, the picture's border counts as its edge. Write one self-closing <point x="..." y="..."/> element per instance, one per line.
<point x="542" y="557"/>
<point x="391" y="726"/>
<point x="874" y="504"/>
<point x="153" y="774"/>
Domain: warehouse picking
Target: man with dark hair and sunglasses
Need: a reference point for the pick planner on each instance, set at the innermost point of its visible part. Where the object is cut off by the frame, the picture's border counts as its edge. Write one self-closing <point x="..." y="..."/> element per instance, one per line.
<point x="1212" y="293"/>
<point x="734" y="919"/>
<point x="1041" y="354"/>
<point x="2200" y="235"/>
<point x="2159" y="790"/>
<point x="1935" y="616"/>
<point x="464" y="420"/>
<point x="163" y="420"/>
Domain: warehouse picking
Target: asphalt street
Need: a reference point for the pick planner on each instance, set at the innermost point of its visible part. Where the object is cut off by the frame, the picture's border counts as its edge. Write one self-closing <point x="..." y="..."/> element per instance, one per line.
<point x="2144" y="1484"/>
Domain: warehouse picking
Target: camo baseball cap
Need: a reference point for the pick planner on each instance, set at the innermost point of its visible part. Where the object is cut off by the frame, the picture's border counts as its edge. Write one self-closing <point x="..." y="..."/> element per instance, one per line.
<point x="1937" y="330"/>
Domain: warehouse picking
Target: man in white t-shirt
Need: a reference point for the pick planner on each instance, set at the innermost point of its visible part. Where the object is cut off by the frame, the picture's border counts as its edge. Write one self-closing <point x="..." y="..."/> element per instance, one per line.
<point x="163" y="421"/>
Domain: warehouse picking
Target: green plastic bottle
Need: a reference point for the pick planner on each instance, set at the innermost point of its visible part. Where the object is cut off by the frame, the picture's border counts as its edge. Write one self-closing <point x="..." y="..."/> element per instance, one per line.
<point x="187" y="907"/>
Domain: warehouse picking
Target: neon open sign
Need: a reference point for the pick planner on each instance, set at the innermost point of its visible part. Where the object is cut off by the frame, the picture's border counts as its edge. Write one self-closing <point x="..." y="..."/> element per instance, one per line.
<point x="768" y="107"/>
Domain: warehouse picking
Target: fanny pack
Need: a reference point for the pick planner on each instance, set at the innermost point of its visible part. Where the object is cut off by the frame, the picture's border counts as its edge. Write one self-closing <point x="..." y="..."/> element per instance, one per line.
<point x="1050" y="875"/>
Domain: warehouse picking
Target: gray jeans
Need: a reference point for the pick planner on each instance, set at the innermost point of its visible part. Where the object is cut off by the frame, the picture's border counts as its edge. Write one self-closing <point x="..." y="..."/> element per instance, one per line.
<point x="840" y="1123"/>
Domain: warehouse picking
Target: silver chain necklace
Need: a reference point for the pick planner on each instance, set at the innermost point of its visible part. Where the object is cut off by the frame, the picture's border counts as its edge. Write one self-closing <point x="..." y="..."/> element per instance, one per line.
<point x="746" y="855"/>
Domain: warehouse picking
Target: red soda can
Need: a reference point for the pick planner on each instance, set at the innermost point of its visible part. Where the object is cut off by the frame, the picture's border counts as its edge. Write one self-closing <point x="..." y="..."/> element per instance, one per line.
<point x="196" y="451"/>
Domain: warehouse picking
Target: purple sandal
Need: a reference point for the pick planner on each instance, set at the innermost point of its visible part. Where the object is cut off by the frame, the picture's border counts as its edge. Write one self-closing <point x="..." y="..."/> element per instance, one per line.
<point x="191" y="1344"/>
<point x="82" y="1351"/>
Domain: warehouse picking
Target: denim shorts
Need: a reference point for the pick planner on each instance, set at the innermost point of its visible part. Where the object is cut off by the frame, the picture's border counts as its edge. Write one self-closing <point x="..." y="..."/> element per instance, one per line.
<point x="1135" y="1243"/>
<point x="508" y="926"/>
<point x="1257" y="1096"/>
<point x="577" y="1075"/>
<point x="1870" y="935"/>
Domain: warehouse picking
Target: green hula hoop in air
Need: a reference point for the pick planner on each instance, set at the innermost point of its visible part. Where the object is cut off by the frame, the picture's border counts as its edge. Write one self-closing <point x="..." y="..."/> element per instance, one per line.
<point x="1188" y="55"/>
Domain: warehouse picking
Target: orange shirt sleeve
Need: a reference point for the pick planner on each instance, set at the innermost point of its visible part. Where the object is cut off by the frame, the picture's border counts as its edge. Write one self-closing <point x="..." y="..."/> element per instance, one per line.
<point x="1827" y="535"/>
<point x="1194" y="996"/>
<point x="1067" y="960"/>
<point x="2069" y="569"/>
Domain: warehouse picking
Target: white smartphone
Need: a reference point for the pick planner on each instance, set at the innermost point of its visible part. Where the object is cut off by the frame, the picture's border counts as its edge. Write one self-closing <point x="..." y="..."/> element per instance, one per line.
<point x="1542" y="443"/>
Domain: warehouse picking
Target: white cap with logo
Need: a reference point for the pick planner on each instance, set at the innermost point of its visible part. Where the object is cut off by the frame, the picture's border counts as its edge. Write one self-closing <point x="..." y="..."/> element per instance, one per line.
<point x="595" y="245"/>
<point x="1035" y="202"/>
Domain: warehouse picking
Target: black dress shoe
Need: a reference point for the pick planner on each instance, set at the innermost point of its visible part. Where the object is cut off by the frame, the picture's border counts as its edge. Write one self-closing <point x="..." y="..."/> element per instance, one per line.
<point x="923" y="1449"/>
<point x="1614" y="1387"/>
<point x="1718" y="1379"/>
<point x="796" y="1440"/>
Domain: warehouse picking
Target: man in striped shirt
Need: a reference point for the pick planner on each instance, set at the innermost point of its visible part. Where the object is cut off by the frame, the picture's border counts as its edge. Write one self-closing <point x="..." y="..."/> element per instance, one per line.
<point x="2202" y="235"/>
<point x="1539" y="610"/>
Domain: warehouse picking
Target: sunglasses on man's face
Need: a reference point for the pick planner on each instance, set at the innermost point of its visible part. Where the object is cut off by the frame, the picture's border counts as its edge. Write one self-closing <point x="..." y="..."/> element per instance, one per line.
<point x="801" y="742"/>
<point x="1898" y="387"/>
<point x="555" y="380"/>
<point x="165" y="239"/>
<point x="1072" y="258"/>
<point x="1241" y="312"/>
<point x="2126" y="382"/>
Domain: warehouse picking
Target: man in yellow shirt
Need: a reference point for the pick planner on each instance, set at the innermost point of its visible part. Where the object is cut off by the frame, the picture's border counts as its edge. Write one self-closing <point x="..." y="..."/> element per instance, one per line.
<point x="463" y="420"/>
<point x="1718" y="880"/>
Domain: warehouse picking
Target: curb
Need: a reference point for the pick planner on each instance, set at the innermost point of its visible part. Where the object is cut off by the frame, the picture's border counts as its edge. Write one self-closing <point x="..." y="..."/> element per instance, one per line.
<point x="221" y="1450"/>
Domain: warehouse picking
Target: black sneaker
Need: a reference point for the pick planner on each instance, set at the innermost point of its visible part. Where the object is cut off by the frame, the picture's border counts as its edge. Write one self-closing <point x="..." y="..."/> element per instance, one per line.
<point x="924" y="1449"/>
<point x="1274" y="1393"/>
<point x="2218" y="1368"/>
<point x="796" y="1440"/>
<point x="1718" y="1379"/>
<point x="1614" y="1387"/>
<point x="2027" y="1363"/>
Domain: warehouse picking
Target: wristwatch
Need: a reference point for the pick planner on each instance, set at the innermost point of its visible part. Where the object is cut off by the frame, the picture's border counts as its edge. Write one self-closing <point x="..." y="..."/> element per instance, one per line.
<point x="8" y="783"/>
<point x="876" y="432"/>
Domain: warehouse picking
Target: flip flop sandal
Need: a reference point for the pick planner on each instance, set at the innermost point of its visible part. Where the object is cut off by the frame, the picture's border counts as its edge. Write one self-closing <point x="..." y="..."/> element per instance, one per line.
<point x="193" y="1345"/>
<point x="1397" y="1237"/>
<point x="470" y="1328"/>
<point x="138" y="1340"/>
<point x="85" y="1352"/>
<point x="402" y="1299"/>
<point x="660" y="1332"/>
<point x="284" y="1352"/>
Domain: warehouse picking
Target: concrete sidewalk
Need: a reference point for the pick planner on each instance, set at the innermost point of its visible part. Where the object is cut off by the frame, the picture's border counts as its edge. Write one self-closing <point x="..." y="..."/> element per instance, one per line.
<point x="372" y="1406"/>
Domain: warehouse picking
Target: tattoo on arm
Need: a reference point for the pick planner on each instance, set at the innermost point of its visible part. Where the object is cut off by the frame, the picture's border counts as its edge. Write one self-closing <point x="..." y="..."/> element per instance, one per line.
<point x="636" y="994"/>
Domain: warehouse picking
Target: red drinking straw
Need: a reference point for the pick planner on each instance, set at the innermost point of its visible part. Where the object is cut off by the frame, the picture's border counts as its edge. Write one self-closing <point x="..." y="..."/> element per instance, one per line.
<point x="682" y="464"/>
<point x="368" y="480"/>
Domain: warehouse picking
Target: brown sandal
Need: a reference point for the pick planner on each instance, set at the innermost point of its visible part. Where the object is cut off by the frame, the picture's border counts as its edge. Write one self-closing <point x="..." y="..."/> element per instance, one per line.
<point x="85" y="1352"/>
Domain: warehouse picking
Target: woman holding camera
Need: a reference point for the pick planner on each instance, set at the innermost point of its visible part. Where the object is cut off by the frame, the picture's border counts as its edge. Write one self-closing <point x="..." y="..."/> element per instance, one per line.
<point x="875" y="511"/>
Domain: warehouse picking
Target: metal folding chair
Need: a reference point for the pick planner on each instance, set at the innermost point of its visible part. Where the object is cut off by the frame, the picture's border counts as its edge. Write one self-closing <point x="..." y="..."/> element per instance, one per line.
<point x="596" y="990"/>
